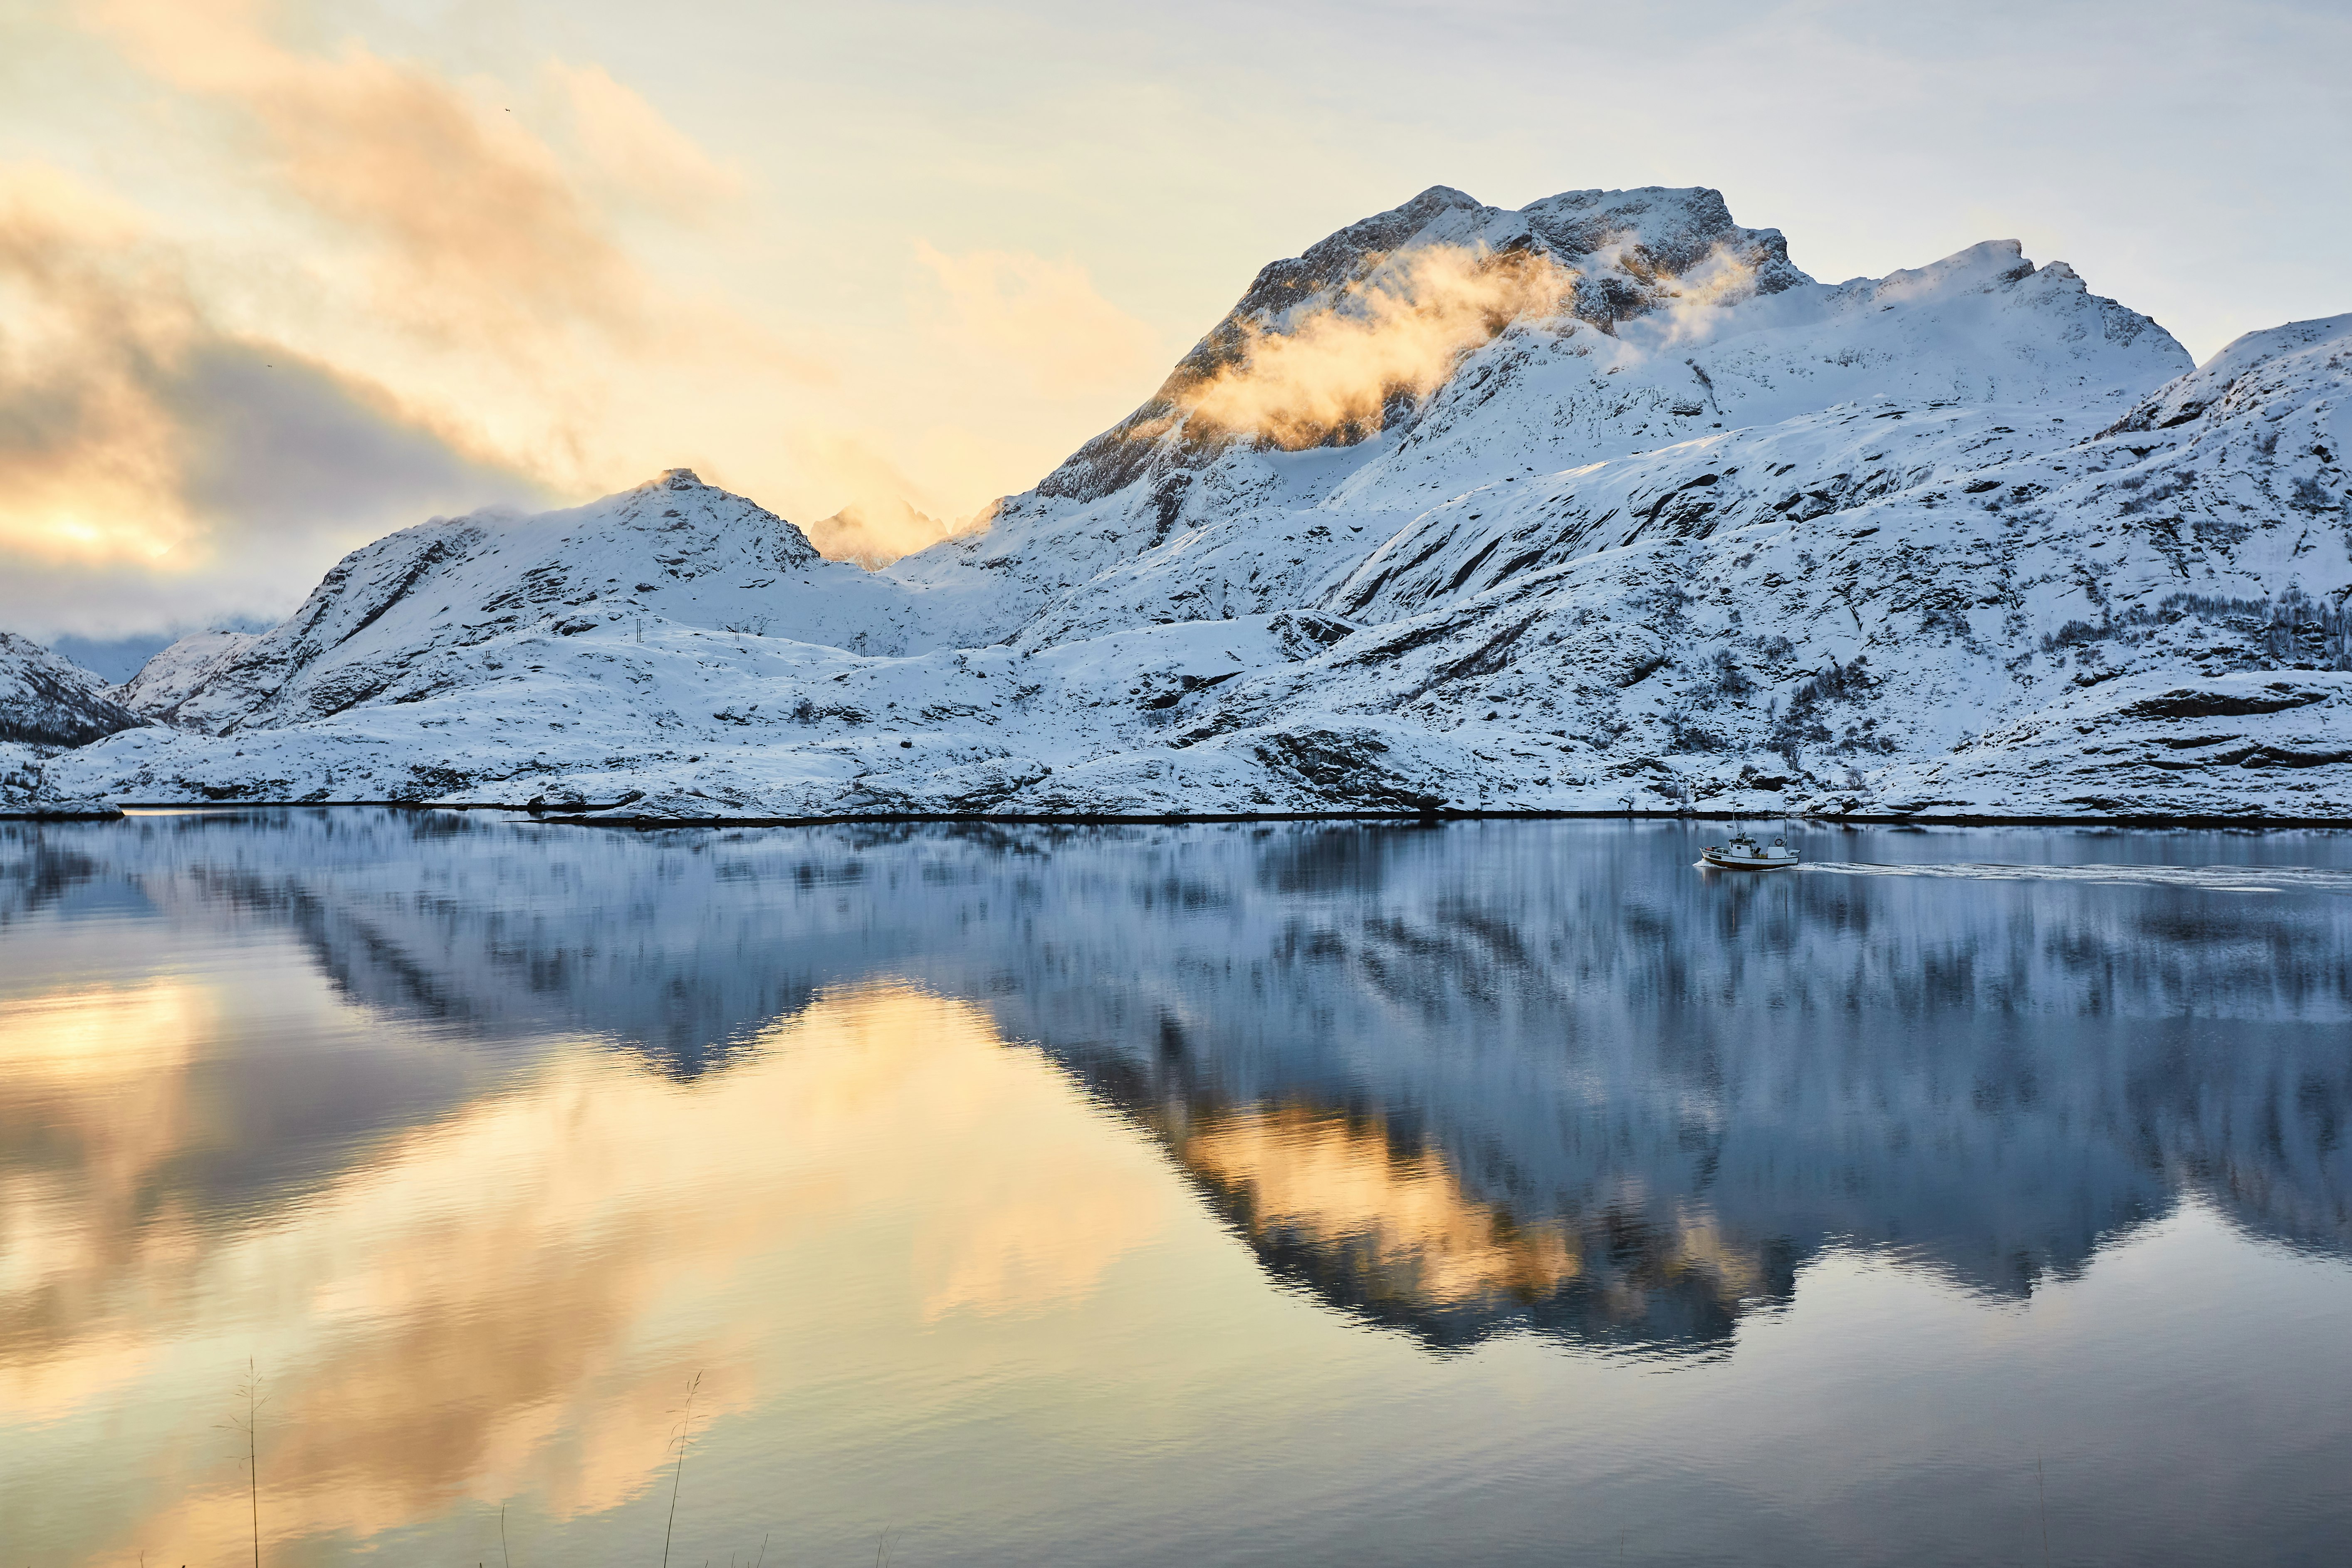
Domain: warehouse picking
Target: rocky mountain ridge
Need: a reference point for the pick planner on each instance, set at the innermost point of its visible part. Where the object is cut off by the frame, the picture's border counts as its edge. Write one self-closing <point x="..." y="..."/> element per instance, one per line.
<point x="1598" y="504"/>
<point x="46" y="699"/>
<point x="48" y="704"/>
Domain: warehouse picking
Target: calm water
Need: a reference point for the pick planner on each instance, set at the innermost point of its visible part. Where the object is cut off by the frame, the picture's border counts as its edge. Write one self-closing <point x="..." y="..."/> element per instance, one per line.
<point x="1297" y="1193"/>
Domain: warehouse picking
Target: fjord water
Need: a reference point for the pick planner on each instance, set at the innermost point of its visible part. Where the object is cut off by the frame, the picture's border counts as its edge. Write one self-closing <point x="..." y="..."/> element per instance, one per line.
<point x="1298" y="1192"/>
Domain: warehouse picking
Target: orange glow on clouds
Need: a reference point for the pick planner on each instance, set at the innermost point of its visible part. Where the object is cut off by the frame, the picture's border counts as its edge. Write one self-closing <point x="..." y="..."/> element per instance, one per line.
<point x="486" y="282"/>
<point x="1399" y="330"/>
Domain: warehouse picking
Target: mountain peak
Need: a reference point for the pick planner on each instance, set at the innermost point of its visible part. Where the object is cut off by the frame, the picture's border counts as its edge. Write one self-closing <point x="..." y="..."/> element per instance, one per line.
<point x="1596" y="256"/>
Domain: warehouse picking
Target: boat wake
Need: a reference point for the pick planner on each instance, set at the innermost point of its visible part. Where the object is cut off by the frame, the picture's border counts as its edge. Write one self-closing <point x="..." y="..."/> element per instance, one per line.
<point x="2210" y="879"/>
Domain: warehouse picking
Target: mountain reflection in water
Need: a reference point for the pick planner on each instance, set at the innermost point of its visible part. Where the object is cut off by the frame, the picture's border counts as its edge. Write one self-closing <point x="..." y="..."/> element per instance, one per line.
<point x="490" y="1134"/>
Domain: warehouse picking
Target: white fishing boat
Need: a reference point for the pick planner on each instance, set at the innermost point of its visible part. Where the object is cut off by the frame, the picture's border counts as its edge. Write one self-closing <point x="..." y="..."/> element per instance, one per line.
<point x="1744" y="854"/>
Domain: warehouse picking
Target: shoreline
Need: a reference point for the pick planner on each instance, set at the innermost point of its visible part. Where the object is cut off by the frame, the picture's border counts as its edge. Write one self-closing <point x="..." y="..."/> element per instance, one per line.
<point x="2142" y="821"/>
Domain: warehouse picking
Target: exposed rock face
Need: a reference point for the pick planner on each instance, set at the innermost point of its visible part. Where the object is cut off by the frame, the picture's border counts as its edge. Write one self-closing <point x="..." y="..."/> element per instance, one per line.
<point x="1601" y="501"/>
<point x="1619" y="252"/>
<point x="449" y="630"/>
<point x="47" y="704"/>
<point x="46" y="699"/>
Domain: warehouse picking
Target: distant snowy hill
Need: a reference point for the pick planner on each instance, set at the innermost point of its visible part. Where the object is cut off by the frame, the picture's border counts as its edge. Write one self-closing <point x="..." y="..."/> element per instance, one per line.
<point x="46" y="699"/>
<point x="1602" y="500"/>
<point x="47" y="703"/>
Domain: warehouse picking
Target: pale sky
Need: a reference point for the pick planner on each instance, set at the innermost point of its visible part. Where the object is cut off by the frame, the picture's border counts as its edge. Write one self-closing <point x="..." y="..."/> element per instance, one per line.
<point x="276" y="278"/>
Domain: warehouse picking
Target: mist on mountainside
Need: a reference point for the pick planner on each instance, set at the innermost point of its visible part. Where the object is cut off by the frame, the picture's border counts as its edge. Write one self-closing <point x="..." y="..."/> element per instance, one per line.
<point x="872" y="534"/>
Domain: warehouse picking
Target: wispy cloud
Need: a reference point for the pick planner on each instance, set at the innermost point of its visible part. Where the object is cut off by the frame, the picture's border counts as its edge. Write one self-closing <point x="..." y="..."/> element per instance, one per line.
<point x="138" y="436"/>
<point x="95" y="320"/>
<point x="1036" y="319"/>
<point x="887" y="514"/>
<point x="1398" y="331"/>
<point x="440" y="310"/>
<point x="468" y="222"/>
<point x="633" y="153"/>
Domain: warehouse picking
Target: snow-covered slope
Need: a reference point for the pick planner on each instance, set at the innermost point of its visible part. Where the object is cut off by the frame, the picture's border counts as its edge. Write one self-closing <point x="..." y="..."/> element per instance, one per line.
<point x="425" y="611"/>
<point x="1599" y="500"/>
<point x="503" y="648"/>
<point x="46" y="699"/>
<point x="47" y="704"/>
<point x="1745" y="347"/>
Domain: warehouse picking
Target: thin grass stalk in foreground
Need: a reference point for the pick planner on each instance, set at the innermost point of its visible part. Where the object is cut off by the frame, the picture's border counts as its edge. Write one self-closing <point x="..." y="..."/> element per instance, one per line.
<point x="253" y="1457"/>
<point x="2043" y="1493"/>
<point x="249" y="1426"/>
<point x="685" y="1436"/>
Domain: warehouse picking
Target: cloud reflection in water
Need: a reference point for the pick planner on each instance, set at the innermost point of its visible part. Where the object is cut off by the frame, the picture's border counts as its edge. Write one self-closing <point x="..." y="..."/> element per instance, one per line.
<point x="510" y="1299"/>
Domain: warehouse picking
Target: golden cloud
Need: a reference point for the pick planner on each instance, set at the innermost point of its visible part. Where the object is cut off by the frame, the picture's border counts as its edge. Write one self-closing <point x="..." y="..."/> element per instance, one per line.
<point x="884" y="519"/>
<point x="139" y="439"/>
<point x="1400" y="331"/>
<point x="1718" y="279"/>
<point x="633" y="151"/>
<point x="872" y="534"/>
<point x="442" y="314"/>
<point x="472" y="225"/>
<point x="87" y="468"/>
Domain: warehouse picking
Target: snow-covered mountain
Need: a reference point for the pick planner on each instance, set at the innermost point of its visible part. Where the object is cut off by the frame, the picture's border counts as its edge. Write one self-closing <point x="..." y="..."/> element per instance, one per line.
<point x="46" y="699"/>
<point x="47" y="704"/>
<point x="1602" y="500"/>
